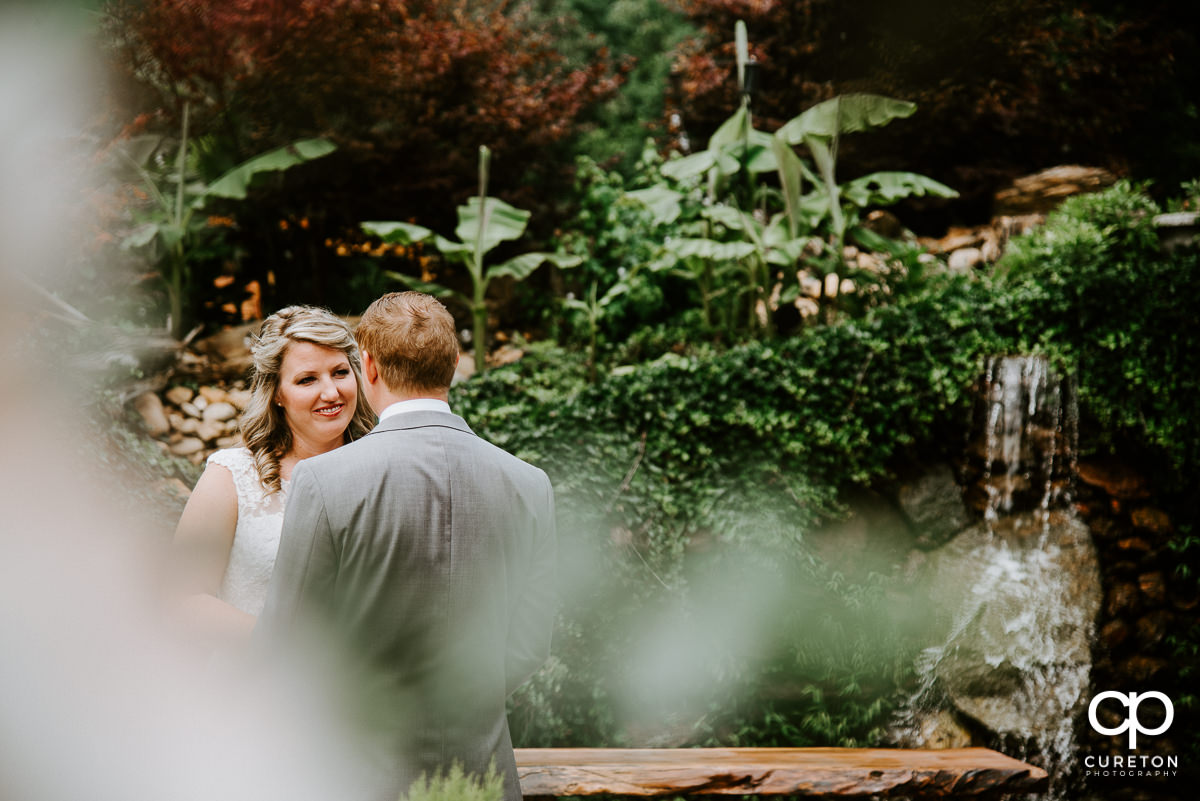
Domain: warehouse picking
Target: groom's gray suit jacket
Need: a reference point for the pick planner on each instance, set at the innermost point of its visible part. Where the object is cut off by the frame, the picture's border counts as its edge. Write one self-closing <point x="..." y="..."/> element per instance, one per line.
<point x="429" y="554"/>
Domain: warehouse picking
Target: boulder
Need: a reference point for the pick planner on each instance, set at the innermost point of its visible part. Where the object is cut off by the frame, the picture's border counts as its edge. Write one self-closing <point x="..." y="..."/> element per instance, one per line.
<point x="229" y="350"/>
<point x="933" y="505"/>
<point x="1152" y="519"/>
<point x="875" y="538"/>
<point x="188" y="446"/>
<point x="154" y="417"/>
<point x="219" y="412"/>
<point x="1012" y="624"/>
<point x="1116" y="479"/>
<point x="213" y="394"/>
<point x="1042" y="192"/>
<point x="210" y="430"/>
<point x="964" y="260"/>
<point x="179" y="395"/>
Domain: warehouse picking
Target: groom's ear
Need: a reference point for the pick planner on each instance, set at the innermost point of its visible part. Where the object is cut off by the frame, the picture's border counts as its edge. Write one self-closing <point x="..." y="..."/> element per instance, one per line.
<point x="369" y="367"/>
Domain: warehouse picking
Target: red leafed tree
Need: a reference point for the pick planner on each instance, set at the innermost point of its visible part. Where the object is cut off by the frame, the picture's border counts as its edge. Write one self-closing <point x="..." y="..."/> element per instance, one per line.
<point x="408" y="90"/>
<point x="1002" y="86"/>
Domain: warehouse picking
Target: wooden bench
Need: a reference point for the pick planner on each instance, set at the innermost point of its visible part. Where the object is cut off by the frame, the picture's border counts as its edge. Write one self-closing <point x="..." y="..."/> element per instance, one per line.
<point x="804" y="772"/>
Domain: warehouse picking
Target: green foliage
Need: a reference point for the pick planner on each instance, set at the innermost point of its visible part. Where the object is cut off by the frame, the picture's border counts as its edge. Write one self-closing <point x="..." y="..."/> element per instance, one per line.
<point x="746" y="252"/>
<point x="456" y="785"/>
<point x="483" y="223"/>
<point x="168" y="226"/>
<point x="639" y="35"/>
<point x="687" y="484"/>
<point x="685" y="487"/>
<point x="1093" y="285"/>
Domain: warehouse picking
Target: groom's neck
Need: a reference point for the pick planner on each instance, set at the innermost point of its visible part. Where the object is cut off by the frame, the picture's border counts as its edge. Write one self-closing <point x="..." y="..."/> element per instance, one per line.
<point x="385" y="396"/>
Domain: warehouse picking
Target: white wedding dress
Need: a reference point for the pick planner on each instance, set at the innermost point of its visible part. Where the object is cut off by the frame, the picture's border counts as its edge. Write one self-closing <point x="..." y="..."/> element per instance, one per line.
<point x="256" y="538"/>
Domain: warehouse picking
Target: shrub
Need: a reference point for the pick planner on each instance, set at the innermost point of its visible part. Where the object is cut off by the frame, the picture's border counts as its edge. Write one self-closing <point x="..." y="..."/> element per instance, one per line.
<point x="686" y="482"/>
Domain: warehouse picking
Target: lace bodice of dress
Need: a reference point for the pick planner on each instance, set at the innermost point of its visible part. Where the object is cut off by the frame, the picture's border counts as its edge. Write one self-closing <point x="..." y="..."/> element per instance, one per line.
<point x="256" y="538"/>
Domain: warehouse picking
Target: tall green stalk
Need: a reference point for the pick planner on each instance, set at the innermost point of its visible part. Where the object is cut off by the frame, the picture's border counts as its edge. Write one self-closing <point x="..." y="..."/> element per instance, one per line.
<point x="479" y="285"/>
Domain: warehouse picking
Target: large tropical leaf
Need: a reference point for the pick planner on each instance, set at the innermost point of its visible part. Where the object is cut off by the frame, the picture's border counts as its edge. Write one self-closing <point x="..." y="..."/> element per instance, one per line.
<point x="662" y="202"/>
<point x="503" y="223"/>
<point x="727" y="216"/>
<point x="710" y="249"/>
<point x="756" y="152"/>
<point x="455" y="251"/>
<point x="397" y="233"/>
<point x="883" y="188"/>
<point x="520" y="267"/>
<point x="845" y="114"/>
<point x="141" y="236"/>
<point x="823" y="156"/>
<point x="428" y="287"/>
<point x="698" y="164"/>
<point x="236" y="182"/>
<point x="791" y="180"/>
<point x="732" y="131"/>
<point x="786" y="254"/>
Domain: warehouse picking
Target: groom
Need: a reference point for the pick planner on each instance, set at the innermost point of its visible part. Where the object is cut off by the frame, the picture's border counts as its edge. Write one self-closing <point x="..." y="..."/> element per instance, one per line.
<point x="426" y="554"/>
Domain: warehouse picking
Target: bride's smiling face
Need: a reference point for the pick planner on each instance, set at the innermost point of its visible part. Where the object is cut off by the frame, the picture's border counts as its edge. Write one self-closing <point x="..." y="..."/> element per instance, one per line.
<point x="317" y="391"/>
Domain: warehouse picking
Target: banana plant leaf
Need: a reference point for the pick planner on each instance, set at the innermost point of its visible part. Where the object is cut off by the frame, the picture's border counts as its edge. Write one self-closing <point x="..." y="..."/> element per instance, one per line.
<point x="884" y="188"/>
<point x="823" y="156"/>
<point x="428" y="287"/>
<point x="788" y="253"/>
<point x="732" y="131"/>
<point x="791" y="180"/>
<point x="727" y="216"/>
<point x="236" y="182"/>
<point x="663" y="203"/>
<point x="520" y="267"/>
<point x="814" y="207"/>
<point x="711" y="249"/>
<point x="757" y="154"/>
<point x="167" y="233"/>
<point x="738" y="140"/>
<point x="397" y="233"/>
<point x="504" y="223"/>
<point x="870" y="240"/>
<point x="845" y="114"/>
<point x="698" y="164"/>
<point x="456" y="251"/>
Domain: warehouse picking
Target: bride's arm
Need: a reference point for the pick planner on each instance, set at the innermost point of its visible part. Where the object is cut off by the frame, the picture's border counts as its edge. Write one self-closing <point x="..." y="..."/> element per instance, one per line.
<point x="203" y="540"/>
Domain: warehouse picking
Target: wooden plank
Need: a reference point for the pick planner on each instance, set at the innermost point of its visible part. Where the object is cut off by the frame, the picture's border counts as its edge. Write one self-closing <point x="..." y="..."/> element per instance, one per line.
<point x="804" y="772"/>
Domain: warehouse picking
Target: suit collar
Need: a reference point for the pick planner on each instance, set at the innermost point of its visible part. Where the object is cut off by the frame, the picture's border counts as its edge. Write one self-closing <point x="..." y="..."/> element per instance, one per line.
<point x="421" y="419"/>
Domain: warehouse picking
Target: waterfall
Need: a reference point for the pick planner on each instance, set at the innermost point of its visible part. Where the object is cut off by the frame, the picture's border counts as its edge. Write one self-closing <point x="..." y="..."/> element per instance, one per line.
<point x="1014" y="597"/>
<point x="1029" y="424"/>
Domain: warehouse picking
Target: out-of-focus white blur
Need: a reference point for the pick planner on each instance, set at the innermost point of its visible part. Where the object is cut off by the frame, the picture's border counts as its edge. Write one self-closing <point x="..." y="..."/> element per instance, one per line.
<point x="99" y="696"/>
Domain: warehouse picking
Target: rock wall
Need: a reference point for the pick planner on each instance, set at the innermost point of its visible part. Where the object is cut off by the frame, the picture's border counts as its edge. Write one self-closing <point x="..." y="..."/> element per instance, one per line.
<point x="1150" y="598"/>
<point x="194" y="423"/>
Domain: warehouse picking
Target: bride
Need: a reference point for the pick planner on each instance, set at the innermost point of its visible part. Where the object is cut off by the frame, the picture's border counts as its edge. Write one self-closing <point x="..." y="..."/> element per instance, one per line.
<point x="305" y="400"/>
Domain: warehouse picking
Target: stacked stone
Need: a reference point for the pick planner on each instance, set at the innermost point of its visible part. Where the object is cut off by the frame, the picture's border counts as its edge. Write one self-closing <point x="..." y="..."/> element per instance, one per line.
<point x="1146" y="597"/>
<point x="194" y="423"/>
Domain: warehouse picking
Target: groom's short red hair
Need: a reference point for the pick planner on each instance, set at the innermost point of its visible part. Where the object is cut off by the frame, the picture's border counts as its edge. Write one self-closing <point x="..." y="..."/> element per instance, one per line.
<point x="412" y="338"/>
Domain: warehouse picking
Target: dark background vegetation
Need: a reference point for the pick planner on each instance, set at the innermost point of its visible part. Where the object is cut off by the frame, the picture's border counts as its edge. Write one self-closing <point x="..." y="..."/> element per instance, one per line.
<point x="408" y="90"/>
<point x="671" y="443"/>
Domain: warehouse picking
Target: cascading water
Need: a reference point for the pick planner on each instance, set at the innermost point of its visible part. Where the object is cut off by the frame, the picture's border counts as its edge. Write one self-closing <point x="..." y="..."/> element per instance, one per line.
<point x="1016" y="596"/>
<point x="1029" y="427"/>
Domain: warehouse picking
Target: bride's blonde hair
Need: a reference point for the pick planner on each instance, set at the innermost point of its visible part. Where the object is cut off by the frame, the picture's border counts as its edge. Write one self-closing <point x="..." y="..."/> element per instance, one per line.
<point x="264" y="427"/>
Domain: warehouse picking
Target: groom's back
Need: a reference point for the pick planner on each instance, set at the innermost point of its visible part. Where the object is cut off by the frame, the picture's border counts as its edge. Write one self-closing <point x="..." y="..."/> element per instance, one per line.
<point x="443" y="547"/>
